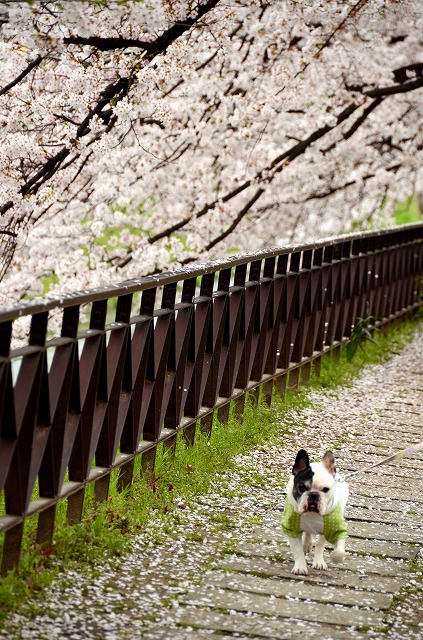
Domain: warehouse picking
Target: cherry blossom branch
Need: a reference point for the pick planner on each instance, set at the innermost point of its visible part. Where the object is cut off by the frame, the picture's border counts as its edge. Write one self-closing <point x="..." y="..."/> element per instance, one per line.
<point x="115" y="91"/>
<point x="6" y="232"/>
<point x="22" y="75"/>
<point x="401" y="76"/>
<point x="197" y="68"/>
<point x="237" y="220"/>
<point x="321" y="195"/>
<point x="111" y="92"/>
<point x="367" y="111"/>
<point x="324" y="194"/>
<point x="351" y="13"/>
<point x="396" y="88"/>
<point x="267" y="174"/>
<point x="6" y="206"/>
<point x="107" y="44"/>
<point x="298" y="149"/>
<point x="153" y="47"/>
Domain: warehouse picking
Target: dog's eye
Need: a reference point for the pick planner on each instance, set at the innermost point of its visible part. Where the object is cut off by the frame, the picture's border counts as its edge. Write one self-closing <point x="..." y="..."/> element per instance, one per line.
<point x="302" y="486"/>
<point x="325" y="489"/>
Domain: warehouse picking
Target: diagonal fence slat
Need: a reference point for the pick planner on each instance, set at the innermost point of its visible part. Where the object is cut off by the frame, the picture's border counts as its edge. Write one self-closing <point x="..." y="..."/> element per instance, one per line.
<point x="179" y="352"/>
<point x="77" y="405"/>
<point x="8" y="435"/>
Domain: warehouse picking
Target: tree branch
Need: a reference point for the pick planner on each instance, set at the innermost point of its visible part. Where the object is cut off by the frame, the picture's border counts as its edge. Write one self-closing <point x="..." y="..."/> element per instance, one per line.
<point x="328" y="192"/>
<point x="6" y="206"/>
<point x="107" y="44"/>
<point x="362" y="118"/>
<point x="6" y="232"/>
<point x="116" y="90"/>
<point x="351" y="13"/>
<point x="237" y="220"/>
<point x="22" y="75"/>
<point x="159" y="45"/>
<point x="396" y="88"/>
<point x="267" y="174"/>
<point x="401" y="76"/>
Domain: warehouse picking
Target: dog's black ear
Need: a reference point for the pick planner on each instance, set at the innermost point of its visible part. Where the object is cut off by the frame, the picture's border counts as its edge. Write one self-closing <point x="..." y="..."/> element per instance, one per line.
<point x="301" y="462"/>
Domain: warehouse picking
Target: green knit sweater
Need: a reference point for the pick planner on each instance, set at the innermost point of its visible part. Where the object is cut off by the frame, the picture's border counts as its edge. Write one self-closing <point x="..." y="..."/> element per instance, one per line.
<point x="334" y="528"/>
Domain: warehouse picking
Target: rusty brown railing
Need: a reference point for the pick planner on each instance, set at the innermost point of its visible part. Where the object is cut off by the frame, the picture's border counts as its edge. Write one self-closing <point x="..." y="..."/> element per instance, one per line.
<point x="181" y="346"/>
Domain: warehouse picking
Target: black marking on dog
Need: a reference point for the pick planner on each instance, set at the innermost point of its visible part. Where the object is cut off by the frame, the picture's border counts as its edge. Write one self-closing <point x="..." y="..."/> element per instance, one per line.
<point x="302" y="482"/>
<point x="301" y="463"/>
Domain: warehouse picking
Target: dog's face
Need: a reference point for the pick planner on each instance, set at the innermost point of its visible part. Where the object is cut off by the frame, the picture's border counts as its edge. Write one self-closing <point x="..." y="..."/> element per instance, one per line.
<point x="312" y="486"/>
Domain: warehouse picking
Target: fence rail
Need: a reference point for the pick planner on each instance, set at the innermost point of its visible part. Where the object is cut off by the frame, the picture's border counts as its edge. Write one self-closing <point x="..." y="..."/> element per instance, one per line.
<point x="180" y="346"/>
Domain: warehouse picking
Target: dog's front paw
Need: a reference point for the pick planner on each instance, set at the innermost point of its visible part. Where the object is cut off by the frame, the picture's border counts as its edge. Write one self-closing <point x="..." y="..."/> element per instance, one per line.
<point x="320" y="564"/>
<point x="337" y="556"/>
<point x="300" y="569"/>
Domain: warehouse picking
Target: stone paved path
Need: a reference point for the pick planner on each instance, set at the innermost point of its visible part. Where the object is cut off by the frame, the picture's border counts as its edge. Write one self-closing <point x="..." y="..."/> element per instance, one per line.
<point x="221" y="567"/>
<point x="252" y="593"/>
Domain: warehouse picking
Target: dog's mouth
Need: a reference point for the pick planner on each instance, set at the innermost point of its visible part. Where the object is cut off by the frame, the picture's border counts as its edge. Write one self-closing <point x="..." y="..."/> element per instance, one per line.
<point x="313" y="507"/>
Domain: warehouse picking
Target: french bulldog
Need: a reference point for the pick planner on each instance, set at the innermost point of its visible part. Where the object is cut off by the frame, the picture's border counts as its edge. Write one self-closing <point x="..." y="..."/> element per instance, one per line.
<point x="316" y="496"/>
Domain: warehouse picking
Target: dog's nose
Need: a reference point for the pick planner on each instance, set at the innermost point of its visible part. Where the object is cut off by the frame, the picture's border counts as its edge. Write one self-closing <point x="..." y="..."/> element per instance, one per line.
<point x="313" y="496"/>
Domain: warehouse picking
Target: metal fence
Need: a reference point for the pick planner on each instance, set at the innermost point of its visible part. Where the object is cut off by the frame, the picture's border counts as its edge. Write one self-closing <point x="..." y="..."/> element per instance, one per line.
<point x="180" y="346"/>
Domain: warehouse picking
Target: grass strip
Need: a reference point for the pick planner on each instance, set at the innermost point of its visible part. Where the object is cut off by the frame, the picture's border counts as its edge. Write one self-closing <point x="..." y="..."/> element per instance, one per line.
<point x="107" y="529"/>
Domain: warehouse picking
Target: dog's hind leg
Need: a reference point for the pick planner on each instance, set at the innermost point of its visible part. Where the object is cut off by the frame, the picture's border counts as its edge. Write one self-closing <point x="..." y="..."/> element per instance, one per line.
<point x="338" y="554"/>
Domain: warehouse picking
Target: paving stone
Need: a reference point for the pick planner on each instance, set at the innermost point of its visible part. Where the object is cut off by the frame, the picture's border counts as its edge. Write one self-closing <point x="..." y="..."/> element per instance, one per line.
<point x="382" y="531"/>
<point x="378" y="486"/>
<point x="410" y="402"/>
<point x="400" y="428"/>
<point x="399" y="470"/>
<point x="255" y="603"/>
<point x="382" y="549"/>
<point x="261" y="627"/>
<point x="391" y="441"/>
<point x="369" y="564"/>
<point x="369" y="458"/>
<point x="387" y="488"/>
<point x="288" y="589"/>
<point x="372" y="547"/>
<point x="384" y="503"/>
<point x="343" y="577"/>
<point x="385" y="449"/>
<point x="408" y="423"/>
<point x="358" y="529"/>
<point x="399" y="476"/>
<point x="376" y="515"/>
<point x="187" y="634"/>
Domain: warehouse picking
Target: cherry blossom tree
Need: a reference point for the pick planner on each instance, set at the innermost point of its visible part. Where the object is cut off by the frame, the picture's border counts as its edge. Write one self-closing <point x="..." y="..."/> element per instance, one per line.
<point x="139" y="136"/>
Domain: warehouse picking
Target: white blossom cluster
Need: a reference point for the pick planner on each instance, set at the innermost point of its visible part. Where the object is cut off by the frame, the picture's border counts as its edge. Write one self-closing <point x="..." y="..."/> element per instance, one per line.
<point x="195" y="135"/>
